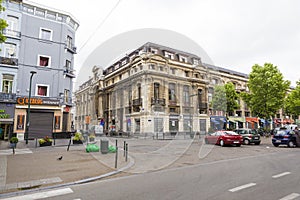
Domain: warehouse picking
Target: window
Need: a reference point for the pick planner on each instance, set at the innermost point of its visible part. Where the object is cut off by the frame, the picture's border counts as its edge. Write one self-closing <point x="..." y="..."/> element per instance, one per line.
<point x="186" y="94"/>
<point x="7" y="83"/>
<point x="69" y="42"/>
<point x="44" y="61"/>
<point x="154" y="51"/>
<point x="45" y="34"/>
<point x="196" y="62"/>
<point x="42" y="90"/>
<point x="10" y="50"/>
<point x="68" y="65"/>
<point x="13" y="26"/>
<point x="169" y="55"/>
<point x="173" y="70"/>
<point x="139" y="91"/>
<point x="182" y="59"/>
<point x="186" y="74"/>
<point x="214" y="81"/>
<point x="156" y="90"/>
<point x="172" y="96"/>
<point x="210" y="94"/>
<point x="66" y="95"/>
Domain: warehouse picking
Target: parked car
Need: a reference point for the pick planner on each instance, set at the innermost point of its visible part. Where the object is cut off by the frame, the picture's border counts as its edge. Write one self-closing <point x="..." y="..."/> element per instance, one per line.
<point x="223" y="138"/>
<point x="283" y="137"/>
<point x="250" y="136"/>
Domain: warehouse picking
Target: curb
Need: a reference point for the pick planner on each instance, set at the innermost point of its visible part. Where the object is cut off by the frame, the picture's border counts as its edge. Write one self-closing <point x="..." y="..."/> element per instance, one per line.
<point x="87" y="180"/>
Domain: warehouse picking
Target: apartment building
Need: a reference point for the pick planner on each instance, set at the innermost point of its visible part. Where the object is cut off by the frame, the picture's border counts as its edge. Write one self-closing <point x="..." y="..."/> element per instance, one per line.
<point x="40" y="50"/>
<point x="156" y="89"/>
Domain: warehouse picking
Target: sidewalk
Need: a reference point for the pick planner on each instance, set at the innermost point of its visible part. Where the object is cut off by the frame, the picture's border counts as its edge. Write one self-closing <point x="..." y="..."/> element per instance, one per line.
<point x="33" y="167"/>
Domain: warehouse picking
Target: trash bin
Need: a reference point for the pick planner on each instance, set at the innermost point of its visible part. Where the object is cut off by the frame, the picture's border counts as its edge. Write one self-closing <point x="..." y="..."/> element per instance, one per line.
<point x="104" y="146"/>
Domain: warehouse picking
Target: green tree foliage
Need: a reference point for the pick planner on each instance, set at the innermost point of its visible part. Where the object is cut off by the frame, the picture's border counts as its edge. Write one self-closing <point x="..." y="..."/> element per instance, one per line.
<point x="219" y="99"/>
<point x="225" y="98"/>
<point x="292" y="102"/>
<point x="267" y="90"/>
<point x="232" y="97"/>
<point x="3" y="24"/>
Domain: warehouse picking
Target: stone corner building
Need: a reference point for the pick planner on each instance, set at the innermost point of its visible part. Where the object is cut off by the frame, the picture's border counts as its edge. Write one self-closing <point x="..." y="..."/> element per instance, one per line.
<point x="154" y="89"/>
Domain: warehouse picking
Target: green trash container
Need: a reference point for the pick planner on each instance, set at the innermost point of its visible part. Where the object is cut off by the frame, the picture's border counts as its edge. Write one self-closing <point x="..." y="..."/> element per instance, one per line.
<point x="104" y="146"/>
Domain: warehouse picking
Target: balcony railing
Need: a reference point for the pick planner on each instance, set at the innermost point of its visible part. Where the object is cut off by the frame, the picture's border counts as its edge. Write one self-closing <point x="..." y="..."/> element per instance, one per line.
<point x="71" y="48"/>
<point x="137" y="102"/>
<point x="8" y="96"/>
<point x="69" y="72"/>
<point x="203" y="105"/>
<point x="8" y="61"/>
<point x="12" y="33"/>
<point x="158" y="101"/>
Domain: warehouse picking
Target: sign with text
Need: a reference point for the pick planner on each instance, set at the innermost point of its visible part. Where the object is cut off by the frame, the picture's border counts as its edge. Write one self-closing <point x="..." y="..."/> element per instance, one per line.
<point x="37" y="101"/>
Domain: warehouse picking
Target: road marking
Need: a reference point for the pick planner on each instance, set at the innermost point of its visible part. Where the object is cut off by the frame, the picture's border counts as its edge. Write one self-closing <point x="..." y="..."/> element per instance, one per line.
<point x="42" y="195"/>
<point x="17" y="151"/>
<point x="290" y="196"/>
<point x="242" y="187"/>
<point x="280" y="175"/>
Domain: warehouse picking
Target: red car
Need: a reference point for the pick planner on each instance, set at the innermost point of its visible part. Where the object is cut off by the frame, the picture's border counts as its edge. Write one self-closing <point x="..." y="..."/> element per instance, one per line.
<point x="224" y="138"/>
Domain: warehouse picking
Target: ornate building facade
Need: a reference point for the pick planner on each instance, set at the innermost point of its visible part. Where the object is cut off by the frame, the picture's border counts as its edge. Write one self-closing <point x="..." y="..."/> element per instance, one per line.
<point x="155" y="89"/>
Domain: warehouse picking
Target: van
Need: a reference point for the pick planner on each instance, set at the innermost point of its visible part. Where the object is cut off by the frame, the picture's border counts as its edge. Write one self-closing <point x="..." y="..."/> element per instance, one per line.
<point x="96" y="129"/>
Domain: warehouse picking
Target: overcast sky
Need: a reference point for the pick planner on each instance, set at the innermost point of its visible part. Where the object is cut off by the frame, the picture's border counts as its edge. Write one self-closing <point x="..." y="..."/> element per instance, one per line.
<point x="235" y="34"/>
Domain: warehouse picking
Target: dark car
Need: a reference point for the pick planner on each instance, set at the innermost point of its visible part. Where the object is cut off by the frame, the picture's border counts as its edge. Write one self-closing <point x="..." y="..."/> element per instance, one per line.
<point x="223" y="138"/>
<point x="250" y="136"/>
<point x="284" y="137"/>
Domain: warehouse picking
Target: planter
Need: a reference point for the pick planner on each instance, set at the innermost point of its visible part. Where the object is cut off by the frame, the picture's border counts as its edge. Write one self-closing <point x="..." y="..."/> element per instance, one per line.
<point x="77" y="142"/>
<point x="46" y="144"/>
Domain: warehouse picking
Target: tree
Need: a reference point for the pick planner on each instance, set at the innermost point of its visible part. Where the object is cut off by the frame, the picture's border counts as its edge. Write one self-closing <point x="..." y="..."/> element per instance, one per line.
<point x="3" y="24"/>
<point x="219" y="101"/>
<point x="232" y="97"/>
<point x="292" y="102"/>
<point x="225" y="98"/>
<point x="267" y="90"/>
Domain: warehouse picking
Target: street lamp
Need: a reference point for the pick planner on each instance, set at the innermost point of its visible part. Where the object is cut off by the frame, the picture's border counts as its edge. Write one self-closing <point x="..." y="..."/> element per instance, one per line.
<point x="28" y="109"/>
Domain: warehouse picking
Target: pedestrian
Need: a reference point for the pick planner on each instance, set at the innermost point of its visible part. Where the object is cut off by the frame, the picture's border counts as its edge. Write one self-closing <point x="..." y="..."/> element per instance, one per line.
<point x="297" y="136"/>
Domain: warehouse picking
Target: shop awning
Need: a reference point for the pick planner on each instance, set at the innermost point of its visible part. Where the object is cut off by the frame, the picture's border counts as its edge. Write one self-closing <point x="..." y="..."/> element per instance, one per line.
<point x="252" y="119"/>
<point x="237" y="119"/>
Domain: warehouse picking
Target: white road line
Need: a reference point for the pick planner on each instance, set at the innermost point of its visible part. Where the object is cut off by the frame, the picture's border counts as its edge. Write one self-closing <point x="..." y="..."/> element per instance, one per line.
<point x="17" y="151"/>
<point x="242" y="187"/>
<point x="280" y="175"/>
<point x="42" y="195"/>
<point x="290" y="196"/>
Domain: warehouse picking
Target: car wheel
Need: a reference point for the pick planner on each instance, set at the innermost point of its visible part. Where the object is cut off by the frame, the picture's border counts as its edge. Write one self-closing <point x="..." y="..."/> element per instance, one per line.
<point x="290" y="144"/>
<point x="206" y="141"/>
<point x="246" y="141"/>
<point x="276" y="145"/>
<point x="222" y="143"/>
<point x="257" y="143"/>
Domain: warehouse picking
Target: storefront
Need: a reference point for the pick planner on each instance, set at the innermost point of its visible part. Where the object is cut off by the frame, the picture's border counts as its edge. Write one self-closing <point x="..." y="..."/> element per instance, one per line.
<point x="236" y="122"/>
<point x="46" y="117"/>
<point x="218" y="122"/>
<point x="252" y="122"/>
<point x="6" y="120"/>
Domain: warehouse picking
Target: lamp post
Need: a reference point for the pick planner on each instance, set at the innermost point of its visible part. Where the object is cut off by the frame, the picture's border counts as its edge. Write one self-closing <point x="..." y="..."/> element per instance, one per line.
<point x="28" y="109"/>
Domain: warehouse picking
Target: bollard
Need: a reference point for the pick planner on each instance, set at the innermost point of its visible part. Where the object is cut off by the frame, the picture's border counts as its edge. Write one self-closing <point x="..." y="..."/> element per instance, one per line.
<point x="126" y="153"/>
<point x="36" y="142"/>
<point x="116" y="159"/>
<point x="69" y="145"/>
<point x="124" y="147"/>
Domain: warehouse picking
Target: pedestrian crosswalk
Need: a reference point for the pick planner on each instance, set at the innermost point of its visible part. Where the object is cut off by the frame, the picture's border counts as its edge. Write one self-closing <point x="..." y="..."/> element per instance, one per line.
<point x="17" y="151"/>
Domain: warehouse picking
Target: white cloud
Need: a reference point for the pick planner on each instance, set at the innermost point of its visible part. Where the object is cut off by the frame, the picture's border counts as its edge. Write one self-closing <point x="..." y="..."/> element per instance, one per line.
<point x="236" y="34"/>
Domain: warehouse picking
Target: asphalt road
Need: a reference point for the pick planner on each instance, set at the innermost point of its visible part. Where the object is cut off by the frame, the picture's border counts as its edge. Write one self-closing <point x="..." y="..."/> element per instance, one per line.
<point x="262" y="176"/>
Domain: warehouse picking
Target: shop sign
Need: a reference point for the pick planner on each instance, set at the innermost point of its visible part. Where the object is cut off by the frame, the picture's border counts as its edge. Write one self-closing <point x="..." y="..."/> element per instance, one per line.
<point x="37" y="101"/>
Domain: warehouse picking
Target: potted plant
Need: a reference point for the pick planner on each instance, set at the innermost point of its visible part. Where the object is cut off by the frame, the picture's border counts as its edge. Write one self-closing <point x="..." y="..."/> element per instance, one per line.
<point x="13" y="142"/>
<point x="77" y="139"/>
<point x="46" y="141"/>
